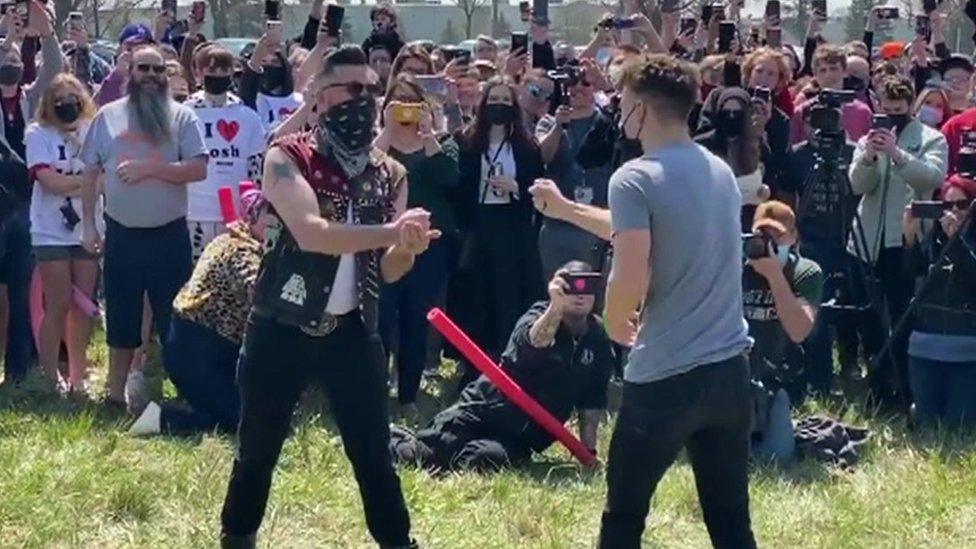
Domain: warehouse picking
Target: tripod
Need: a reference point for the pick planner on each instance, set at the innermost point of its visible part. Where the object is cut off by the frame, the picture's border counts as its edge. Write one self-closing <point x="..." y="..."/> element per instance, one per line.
<point x="827" y="192"/>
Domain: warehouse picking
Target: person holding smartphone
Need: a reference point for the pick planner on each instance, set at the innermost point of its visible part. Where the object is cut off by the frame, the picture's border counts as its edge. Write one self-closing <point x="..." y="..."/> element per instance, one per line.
<point x="18" y="105"/>
<point x="558" y="353"/>
<point x="889" y="167"/>
<point x="499" y="273"/>
<point x="410" y="136"/>
<point x="942" y="345"/>
<point x="267" y="83"/>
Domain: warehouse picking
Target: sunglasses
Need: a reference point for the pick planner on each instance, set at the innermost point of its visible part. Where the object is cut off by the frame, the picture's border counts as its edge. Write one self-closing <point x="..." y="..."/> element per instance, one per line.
<point x="960" y="205"/>
<point x="356" y="89"/>
<point x="147" y="67"/>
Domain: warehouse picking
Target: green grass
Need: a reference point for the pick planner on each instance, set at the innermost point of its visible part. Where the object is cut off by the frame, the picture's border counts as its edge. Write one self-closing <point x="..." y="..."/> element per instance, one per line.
<point x="69" y="477"/>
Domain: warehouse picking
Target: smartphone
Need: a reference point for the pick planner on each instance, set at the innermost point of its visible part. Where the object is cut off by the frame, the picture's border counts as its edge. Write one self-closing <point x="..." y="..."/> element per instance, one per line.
<point x="755" y="245"/>
<point x="75" y="22"/>
<point x="199" y="11"/>
<point x="688" y="25"/>
<point x="22" y="9"/>
<point x="706" y="13"/>
<point x="774" y="37"/>
<point x="773" y="12"/>
<point x="525" y="11"/>
<point x="168" y="7"/>
<point x="540" y="12"/>
<point x="888" y="13"/>
<point x="923" y="26"/>
<point x="520" y="41"/>
<point x="407" y="113"/>
<point x="820" y="9"/>
<point x="433" y="84"/>
<point x="272" y="10"/>
<point x="726" y="33"/>
<point x="927" y="209"/>
<point x="582" y="283"/>
<point x="333" y="19"/>
<point x="273" y="29"/>
<point x="762" y="94"/>
<point x="882" y="122"/>
<point x="928" y="6"/>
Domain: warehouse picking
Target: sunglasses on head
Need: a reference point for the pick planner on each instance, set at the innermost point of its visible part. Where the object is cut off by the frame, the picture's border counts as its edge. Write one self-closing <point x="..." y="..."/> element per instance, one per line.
<point x="356" y="89"/>
<point x="147" y="67"/>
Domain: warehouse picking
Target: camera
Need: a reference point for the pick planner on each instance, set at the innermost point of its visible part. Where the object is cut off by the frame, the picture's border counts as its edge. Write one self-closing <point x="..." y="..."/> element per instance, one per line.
<point x="68" y="215"/>
<point x="825" y="116"/>
<point x="756" y="245"/>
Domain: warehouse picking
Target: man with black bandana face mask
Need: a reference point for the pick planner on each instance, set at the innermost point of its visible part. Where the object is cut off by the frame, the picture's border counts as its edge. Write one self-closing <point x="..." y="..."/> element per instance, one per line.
<point x="339" y="223"/>
<point x="234" y="137"/>
<point x="890" y="168"/>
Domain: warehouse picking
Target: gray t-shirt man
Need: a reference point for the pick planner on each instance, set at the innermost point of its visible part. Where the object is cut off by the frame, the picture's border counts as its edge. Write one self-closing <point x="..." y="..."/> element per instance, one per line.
<point x="113" y="138"/>
<point x="689" y="200"/>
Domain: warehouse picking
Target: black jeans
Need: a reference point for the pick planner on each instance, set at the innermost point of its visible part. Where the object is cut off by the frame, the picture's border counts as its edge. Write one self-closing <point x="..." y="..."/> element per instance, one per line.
<point x="277" y="363"/>
<point x="16" y="267"/>
<point x="889" y="381"/>
<point x="706" y="410"/>
<point x="203" y="366"/>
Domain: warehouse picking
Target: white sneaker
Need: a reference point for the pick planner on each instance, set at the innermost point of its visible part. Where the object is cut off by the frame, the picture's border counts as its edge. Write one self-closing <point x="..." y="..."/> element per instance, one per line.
<point x="136" y="392"/>
<point x="149" y="423"/>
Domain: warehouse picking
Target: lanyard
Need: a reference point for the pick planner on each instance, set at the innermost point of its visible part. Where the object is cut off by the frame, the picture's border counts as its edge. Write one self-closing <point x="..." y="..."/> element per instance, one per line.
<point x="491" y="169"/>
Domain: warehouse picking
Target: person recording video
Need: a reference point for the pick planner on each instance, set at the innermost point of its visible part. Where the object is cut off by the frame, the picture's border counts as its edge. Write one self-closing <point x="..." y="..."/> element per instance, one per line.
<point x="942" y="345"/>
<point x="890" y="166"/>
<point x="781" y="293"/>
<point x="829" y="68"/>
<point x="558" y="353"/>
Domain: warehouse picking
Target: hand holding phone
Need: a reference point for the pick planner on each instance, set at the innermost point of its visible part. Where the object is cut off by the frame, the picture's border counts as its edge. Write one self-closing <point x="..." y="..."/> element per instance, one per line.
<point x="272" y="10"/>
<point x="581" y="283"/>
<point x="520" y="43"/>
<point x="333" y="19"/>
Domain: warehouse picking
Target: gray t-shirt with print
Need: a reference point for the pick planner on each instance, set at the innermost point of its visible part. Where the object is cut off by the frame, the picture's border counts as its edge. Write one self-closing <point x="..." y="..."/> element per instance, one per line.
<point x="113" y="138"/>
<point x="689" y="200"/>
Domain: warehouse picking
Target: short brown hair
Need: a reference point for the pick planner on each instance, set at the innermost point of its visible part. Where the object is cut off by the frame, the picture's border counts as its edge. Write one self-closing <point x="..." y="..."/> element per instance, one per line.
<point x="774" y="216"/>
<point x="45" y="108"/>
<point x="831" y="55"/>
<point x="668" y="85"/>
<point x="897" y="88"/>
<point x="213" y="56"/>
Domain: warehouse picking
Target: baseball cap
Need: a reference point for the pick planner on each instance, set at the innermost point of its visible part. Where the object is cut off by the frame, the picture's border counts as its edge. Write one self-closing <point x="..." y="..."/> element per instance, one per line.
<point x="892" y="50"/>
<point x="957" y="61"/>
<point x="135" y="33"/>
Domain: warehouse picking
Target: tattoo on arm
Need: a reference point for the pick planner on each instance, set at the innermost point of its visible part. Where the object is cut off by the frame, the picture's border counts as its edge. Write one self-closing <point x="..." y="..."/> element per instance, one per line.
<point x="543" y="331"/>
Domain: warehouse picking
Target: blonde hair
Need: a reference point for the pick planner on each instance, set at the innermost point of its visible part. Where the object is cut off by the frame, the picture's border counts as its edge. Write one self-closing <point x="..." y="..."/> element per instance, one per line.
<point x="45" y="108"/>
<point x="762" y="54"/>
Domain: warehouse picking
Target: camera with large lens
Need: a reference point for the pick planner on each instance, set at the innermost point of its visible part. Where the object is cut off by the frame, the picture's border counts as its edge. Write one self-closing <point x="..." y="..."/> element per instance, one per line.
<point x="564" y="77"/>
<point x="825" y="115"/>
<point x="756" y="245"/>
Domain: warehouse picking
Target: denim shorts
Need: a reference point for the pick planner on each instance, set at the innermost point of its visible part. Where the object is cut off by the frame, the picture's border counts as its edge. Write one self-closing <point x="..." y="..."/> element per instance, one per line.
<point x="44" y="254"/>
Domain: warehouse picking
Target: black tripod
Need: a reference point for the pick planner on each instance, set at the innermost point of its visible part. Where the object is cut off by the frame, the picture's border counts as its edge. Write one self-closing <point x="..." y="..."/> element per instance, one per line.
<point x="827" y="192"/>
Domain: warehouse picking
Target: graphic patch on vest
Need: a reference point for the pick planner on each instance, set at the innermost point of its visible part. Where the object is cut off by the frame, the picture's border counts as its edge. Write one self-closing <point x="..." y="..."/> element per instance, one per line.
<point x="294" y="290"/>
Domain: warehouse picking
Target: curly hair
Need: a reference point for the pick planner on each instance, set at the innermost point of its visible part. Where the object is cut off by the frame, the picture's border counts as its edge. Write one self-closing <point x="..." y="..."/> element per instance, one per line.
<point x="668" y="85"/>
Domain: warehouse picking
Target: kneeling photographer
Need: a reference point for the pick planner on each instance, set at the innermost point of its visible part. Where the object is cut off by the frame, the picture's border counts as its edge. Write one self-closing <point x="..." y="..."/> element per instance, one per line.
<point x="781" y="294"/>
<point x="942" y="346"/>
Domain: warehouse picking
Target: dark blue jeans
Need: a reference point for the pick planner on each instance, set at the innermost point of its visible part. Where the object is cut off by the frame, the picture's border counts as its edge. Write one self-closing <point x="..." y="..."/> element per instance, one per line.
<point x="16" y="266"/>
<point x="708" y="411"/>
<point x="155" y="262"/>
<point x="945" y="392"/>
<point x="403" y="315"/>
<point x="203" y="366"/>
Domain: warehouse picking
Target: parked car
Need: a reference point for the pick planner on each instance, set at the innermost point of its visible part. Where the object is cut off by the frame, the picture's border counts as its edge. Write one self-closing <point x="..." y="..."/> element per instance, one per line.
<point x="240" y="47"/>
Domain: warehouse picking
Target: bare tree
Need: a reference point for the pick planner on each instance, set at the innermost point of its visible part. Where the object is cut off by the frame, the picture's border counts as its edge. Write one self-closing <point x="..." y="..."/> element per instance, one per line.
<point x="469" y="8"/>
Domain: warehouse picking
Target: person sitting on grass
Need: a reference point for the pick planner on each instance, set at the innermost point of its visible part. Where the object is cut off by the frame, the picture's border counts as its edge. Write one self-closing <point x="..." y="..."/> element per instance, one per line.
<point x="559" y="354"/>
<point x="209" y="316"/>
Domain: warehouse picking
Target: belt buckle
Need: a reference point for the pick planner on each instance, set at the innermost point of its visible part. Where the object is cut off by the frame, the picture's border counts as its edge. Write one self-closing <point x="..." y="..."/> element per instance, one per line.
<point x="323" y="327"/>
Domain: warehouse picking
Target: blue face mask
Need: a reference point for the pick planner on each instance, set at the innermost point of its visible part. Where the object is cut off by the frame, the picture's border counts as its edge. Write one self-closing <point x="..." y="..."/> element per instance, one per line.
<point x="782" y="254"/>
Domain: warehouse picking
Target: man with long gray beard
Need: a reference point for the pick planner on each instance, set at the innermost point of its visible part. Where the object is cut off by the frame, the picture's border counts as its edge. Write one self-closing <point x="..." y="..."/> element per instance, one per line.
<point x="149" y="148"/>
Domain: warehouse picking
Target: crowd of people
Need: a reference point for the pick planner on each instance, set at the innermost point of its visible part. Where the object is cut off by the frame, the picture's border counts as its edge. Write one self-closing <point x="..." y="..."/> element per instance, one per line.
<point x="737" y="209"/>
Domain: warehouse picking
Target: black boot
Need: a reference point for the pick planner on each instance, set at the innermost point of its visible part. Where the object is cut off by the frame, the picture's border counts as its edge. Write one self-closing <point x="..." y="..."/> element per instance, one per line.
<point x="228" y="541"/>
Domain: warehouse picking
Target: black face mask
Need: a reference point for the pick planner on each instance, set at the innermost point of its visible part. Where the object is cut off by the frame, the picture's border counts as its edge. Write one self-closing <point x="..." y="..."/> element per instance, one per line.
<point x="853" y="83"/>
<point x="499" y="114"/>
<point x="180" y="98"/>
<point x="347" y="130"/>
<point x="272" y="78"/>
<point x="900" y="121"/>
<point x="216" y="85"/>
<point x="67" y="112"/>
<point x="730" y="124"/>
<point x="10" y="75"/>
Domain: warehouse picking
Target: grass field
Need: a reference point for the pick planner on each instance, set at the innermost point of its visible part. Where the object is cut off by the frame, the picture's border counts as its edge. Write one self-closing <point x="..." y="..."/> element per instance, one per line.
<point x="69" y="477"/>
